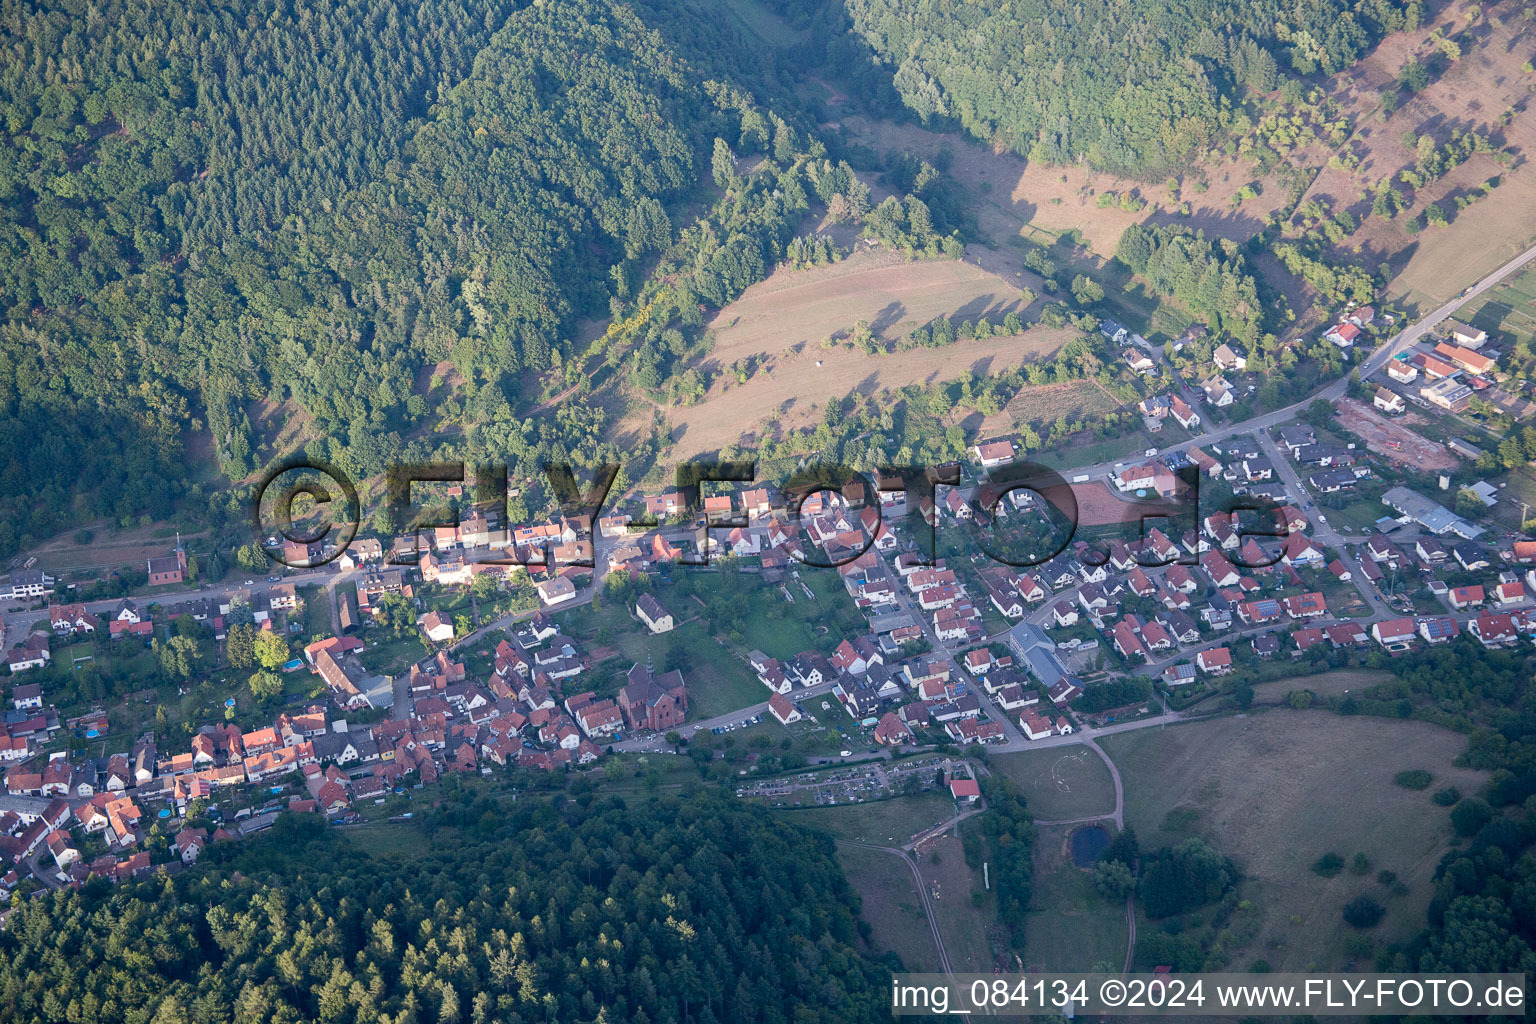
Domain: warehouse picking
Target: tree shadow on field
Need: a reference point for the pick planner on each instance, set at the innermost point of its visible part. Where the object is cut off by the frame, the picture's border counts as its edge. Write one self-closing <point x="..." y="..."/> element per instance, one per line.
<point x="888" y="317"/>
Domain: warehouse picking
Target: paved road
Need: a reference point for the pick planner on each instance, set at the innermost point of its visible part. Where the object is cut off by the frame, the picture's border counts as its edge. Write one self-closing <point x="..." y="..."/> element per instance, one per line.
<point x="1404" y="339"/>
<point x="16" y="623"/>
<point x="922" y="895"/>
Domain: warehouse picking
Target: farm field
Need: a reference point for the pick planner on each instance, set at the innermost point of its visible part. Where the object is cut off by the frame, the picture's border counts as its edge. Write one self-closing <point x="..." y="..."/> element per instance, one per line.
<point x="1060" y="783"/>
<point x="783" y="321"/>
<point x="891" y="905"/>
<point x="1275" y="792"/>
<point x="885" y="822"/>
<point x="1069" y="926"/>
<point x="109" y="546"/>
<point x="1040" y="203"/>
<point x="1045" y="403"/>
<point x="1508" y="312"/>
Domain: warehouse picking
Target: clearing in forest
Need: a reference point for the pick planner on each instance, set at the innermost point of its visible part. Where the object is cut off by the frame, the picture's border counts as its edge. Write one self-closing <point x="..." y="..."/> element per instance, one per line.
<point x="780" y="324"/>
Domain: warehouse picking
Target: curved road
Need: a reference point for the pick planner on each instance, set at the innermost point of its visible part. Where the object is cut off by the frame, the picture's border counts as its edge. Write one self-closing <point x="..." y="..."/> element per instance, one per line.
<point x="1405" y="338"/>
<point x="922" y="895"/>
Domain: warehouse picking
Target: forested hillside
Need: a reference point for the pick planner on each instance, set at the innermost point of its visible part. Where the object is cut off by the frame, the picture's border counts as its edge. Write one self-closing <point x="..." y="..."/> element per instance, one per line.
<point x="692" y="910"/>
<point x="1128" y="86"/>
<point x="206" y="204"/>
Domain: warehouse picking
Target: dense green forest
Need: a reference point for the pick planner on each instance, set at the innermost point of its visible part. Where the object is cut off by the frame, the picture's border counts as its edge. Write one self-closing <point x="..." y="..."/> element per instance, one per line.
<point x="698" y="909"/>
<point x="1209" y="277"/>
<point x="1127" y="86"/>
<point x="391" y="218"/>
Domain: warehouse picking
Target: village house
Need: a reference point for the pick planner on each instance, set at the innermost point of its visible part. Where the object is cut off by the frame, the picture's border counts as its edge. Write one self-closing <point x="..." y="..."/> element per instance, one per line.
<point x="1186" y="417"/>
<point x="437" y="627"/>
<point x="783" y="709"/>
<point x="654" y="614"/>
<point x="1394" y="634"/>
<point x="1216" y="662"/>
<point x="1229" y="357"/>
<point x="556" y="591"/>
<point x="1464" y="335"/>
<point x="993" y="454"/>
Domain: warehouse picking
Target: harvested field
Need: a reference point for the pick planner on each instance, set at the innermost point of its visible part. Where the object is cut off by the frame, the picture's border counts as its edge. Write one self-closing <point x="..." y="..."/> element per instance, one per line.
<point x="1276" y="791"/>
<point x="1381" y="434"/>
<point x="784" y="319"/>
<point x="801" y="307"/>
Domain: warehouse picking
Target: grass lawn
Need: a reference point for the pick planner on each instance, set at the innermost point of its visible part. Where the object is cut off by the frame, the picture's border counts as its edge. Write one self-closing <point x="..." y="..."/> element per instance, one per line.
<point x="1357" y="516"/>
<point x="1277" y="790"/>
<point x="317" y="612"/>
<point x="891" y="905"/>
<point x="718" y="680"/>
<point x="1069" y="926"/>
<point x="1060" y="783"/>
<point x="965" y="922"/>
<point x="773" y="625"/>
<point x="1329" y="684"/>
<point x="1508" y="312"/>
<point x="1091" y="451"/>
<point x="838" y="725"/>
<point x="886" y="822"/>
<point x="392" y="655"/>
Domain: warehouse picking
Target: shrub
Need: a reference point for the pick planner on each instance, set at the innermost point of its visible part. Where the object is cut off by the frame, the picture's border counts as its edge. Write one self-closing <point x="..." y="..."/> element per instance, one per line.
<point x="1447" y="796"/>
<point x="1414" y="778"/>
<point x="1360" y="865"/>
<point x="1470" y="815"/>
<point x="1363" y="912"/>
<point x="1328" y="865"/>
<point x="1179" y="879"/>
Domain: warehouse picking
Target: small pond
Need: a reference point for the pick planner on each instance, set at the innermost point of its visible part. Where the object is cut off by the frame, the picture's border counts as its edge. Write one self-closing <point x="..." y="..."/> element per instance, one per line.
<point x="1087" y="844"/>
